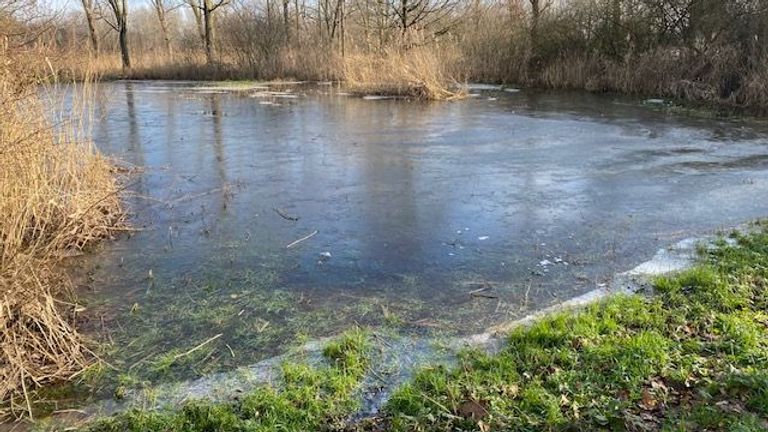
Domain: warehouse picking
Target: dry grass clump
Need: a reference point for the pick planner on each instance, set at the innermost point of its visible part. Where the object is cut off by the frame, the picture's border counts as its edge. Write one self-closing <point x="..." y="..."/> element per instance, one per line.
<point x="417" y="73"/>
<point x="57" y="195"/>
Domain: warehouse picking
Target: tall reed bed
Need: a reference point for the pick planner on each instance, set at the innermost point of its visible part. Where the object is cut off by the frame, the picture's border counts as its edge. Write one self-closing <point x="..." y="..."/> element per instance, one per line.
<point x="419" y="73"/>
<point x="426" y="72"/>
<point x="57" y="196"/>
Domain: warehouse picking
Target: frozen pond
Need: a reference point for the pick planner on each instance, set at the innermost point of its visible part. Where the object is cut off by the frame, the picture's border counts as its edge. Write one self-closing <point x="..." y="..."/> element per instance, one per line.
<point x="405" y="208"/>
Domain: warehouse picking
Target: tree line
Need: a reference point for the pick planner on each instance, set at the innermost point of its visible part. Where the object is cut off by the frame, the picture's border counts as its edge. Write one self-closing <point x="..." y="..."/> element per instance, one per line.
<point x="703" y="50"/>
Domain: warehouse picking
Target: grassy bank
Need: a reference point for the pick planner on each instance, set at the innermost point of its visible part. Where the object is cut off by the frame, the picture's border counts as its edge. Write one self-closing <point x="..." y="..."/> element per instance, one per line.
<point x="57" y="197"/>
<point x="690" y="358"/>
<point x="308" y="399"/>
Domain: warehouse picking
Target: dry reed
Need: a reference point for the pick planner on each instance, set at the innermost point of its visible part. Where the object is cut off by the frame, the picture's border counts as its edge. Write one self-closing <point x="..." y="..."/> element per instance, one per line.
<point x="287" y="63"/>
<point x="417" y="73"/>
<point x="57" y="195"/>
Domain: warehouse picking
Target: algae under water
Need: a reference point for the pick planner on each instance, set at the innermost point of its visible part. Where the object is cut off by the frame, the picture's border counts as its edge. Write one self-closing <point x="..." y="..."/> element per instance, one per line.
<point x="406" y="207"/>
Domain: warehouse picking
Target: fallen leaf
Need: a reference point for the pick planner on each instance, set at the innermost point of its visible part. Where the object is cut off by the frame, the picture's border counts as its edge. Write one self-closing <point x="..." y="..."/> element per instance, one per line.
<point x="472" y="409"/>
<point x="649" y="403"/>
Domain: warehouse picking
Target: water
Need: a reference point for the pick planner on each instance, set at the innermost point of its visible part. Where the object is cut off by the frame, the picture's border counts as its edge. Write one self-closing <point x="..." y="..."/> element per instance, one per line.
<point x="398" y="357"/>
<point x="536" y="197"/>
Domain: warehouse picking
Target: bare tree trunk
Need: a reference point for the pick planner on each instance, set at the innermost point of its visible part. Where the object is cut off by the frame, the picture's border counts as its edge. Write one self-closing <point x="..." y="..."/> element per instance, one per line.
<point x="210" y="49"/>
<point x="89" y="18"/>
<point x="124" y="52"/>
<point x="365" y="21"/>
<point x="343" y="33"/>
<point x="286" y="22"/>
<point x="206" y="24"/>
<point x="533" y="60"/>
<point x="535" y="17"/>
<point x="322" y="24"/>
<point x="166" y="39"/>
<point x="335" y="21"/>
<point x="382" y="15"/>
<point x="120" y="12"/>
<point x="404" y="15"/>
<point x="617" y="39"/>
<point x="296" y="6"/>
<point x="162" y="19"/>
<point x="324" y="16"/>
<point x="197" y="12"/>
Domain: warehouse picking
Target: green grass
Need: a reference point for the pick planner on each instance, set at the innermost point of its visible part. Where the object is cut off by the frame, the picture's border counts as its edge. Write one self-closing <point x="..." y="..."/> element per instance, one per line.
<point x="691" y="358"/>
<point x="308" y="398"/>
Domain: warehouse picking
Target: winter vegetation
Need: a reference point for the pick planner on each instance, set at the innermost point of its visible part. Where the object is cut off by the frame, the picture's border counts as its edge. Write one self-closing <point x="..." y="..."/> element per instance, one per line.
<point x="58" y="196"/>
<point x="691" y="357"/>
<point x="704" y="51"/>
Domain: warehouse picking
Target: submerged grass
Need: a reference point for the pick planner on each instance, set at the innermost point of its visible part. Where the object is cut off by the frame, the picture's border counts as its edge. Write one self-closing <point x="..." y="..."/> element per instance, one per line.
<point x="307" y="398"/>
<point x="690" y="358"/>
<point x="150" y="339"/>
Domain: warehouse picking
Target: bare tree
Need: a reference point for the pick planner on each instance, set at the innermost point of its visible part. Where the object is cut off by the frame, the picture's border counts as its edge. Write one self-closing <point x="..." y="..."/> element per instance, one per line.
<point x="535" y="18"/>
<point x="342" y="27"/>
<point x="197" y="12"/>
<point x="420" y="14"/>
<point x="376" y="18"/>
<point x="162" y="8"/>
<point x="286" y="24"/>
<point x="22" y="23"/>
<point x="207" y="8"/>
<point x="119" y="9"/>
<point x="298" y="16"/>
<point x="537" y="9"/>
<point x="89" y="7"/>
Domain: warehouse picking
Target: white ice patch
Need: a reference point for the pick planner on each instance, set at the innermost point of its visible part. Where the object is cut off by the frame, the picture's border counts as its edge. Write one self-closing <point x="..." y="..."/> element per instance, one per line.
<point x="226" y="88"/>
<point x="677" y="257"/>
<point x="482" y="87"/>
<point x="378" y="97"/>
<point x="272" y="94"/>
